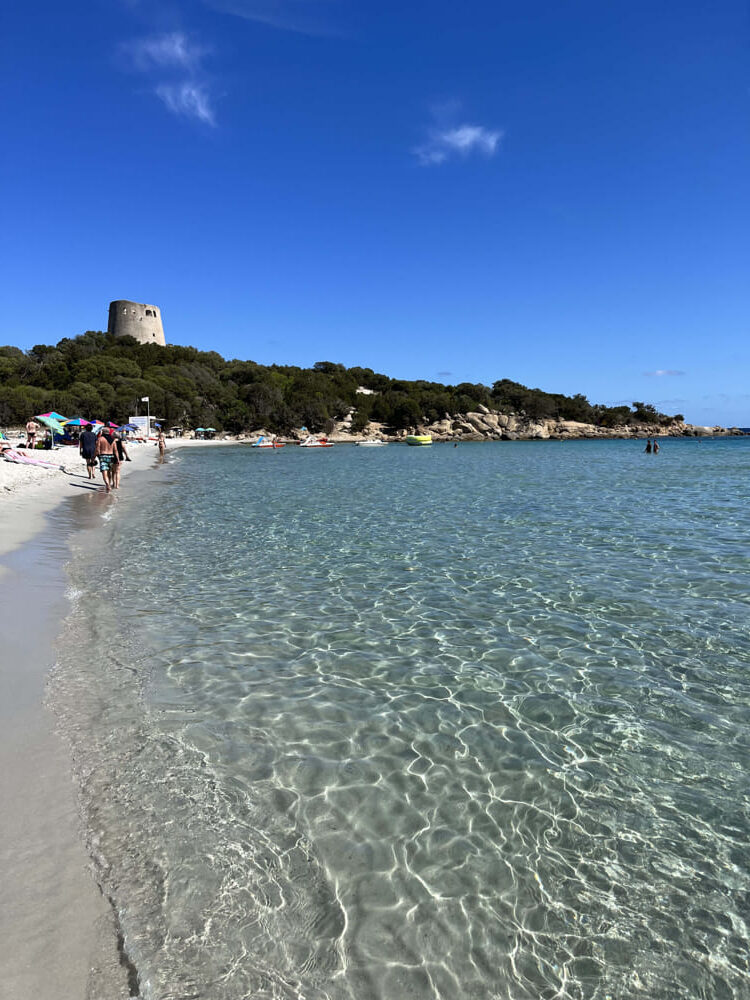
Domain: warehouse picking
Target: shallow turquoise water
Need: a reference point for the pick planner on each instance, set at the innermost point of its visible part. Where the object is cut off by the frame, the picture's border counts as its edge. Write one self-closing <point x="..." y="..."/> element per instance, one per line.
<point x="428" y="723"/>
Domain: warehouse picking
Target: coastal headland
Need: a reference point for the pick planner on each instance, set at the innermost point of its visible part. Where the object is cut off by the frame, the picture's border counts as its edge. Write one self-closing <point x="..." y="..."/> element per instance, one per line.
<point x="111" y="376"/>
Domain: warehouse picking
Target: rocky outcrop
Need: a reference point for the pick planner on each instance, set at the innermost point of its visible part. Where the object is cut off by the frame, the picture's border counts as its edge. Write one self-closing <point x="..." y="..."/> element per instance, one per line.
<point x="491" y="425"/>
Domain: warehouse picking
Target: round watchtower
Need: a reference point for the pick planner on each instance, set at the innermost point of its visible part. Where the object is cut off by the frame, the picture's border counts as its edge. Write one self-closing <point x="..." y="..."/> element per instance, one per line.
<point x="134" y="319"/>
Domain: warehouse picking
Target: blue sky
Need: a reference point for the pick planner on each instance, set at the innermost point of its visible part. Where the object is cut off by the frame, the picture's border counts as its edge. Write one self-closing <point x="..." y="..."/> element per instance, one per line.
<point x="552" y="192"/>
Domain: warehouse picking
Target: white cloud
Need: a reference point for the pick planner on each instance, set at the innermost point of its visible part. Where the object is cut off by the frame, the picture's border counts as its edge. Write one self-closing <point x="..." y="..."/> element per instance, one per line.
<point x="170" y="51"/>
<point x="664" y="371"/>
<point x="459" y="140"/>
<point x="173" y="62"/>
<point x="308" y="17"/>
<point x="189" y="99"/>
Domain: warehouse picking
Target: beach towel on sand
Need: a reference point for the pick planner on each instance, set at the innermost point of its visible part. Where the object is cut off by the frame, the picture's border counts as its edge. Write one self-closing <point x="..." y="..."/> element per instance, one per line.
<point x="11" y="455"/>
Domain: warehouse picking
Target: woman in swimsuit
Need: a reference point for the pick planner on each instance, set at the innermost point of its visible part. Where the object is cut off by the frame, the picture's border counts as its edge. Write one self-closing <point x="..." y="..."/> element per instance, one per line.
<point x="121" y="454"/>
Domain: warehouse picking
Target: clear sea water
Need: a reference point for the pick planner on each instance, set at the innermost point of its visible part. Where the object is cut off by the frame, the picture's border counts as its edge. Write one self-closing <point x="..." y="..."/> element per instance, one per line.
<point x="443" y="723"/>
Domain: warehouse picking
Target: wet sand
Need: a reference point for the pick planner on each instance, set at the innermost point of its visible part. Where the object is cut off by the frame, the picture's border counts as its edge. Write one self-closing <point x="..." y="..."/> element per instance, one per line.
<point x="58" y="939"/>
<point x="56" y="929"/>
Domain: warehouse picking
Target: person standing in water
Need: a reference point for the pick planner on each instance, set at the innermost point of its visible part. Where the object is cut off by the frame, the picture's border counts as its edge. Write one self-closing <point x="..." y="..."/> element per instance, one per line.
<point x="656" y="447"/>
<point x="648" y="446"/>
<point x="162" y="442"/>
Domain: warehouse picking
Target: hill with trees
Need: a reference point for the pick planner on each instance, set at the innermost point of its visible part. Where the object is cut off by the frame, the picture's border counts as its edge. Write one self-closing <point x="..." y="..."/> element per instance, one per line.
<point x="97" y="375"/>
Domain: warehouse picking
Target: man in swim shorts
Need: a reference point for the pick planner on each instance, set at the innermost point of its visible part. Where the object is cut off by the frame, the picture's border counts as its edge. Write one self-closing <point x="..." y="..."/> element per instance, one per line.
<point x="87" y="449"/>
<point x="105" y="452"/>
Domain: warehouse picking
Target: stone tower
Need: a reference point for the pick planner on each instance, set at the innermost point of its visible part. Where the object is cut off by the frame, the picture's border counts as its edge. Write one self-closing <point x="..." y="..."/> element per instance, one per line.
<point x="133" y="319"/>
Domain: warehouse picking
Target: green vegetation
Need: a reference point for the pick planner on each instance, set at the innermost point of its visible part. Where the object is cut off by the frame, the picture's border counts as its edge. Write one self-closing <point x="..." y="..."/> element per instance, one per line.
<point x="96" y="375"/>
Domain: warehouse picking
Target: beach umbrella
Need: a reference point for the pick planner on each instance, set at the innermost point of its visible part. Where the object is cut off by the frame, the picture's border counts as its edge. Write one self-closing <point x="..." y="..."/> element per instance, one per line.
<point x="211" y="429"/>
<point x="54" y="425"/>
<point x="197" y="429"/>
<point x="76" y="422"/>
<point x="113" y="426"/>
<point x="53" y="415"/>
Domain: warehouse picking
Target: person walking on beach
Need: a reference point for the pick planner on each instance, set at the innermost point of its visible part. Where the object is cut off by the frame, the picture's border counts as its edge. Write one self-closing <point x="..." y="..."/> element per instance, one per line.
<point x="87" y="449"/>
<point x="31" y="428"/>
<point x="105" y="452"/>
<point x="648" y="446"/>
<point x="122" y="456"/>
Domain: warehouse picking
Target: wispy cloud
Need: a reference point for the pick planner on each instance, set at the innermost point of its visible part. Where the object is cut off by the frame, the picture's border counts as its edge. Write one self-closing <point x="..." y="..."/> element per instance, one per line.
<point x="308" y="17"/>
<point x="663" y="371"/>
<point x="174" y="62"/>
<point x="171" y="51"/>
<point x="448" y="137"/>
<point x="445" y="375"/>
<point x="189" y="99"/>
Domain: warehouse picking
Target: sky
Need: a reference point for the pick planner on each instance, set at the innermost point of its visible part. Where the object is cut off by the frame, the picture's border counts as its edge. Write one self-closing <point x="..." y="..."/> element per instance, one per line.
<point x="552" y="192"/>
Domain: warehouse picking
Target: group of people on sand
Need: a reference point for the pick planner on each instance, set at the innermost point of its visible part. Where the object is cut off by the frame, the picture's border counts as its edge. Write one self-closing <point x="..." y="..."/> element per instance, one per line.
<point x="110" y="451"/>
<point x="651" y="448"/>
<point x="106" y="448"/>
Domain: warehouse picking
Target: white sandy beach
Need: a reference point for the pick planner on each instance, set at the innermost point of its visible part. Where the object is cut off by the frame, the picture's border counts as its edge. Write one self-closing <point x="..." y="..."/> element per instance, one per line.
<point x="57" y="937"/>
<point x="27" y="491"/>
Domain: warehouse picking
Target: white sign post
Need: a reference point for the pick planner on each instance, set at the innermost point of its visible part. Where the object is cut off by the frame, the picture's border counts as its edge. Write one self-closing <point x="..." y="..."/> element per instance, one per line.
<point x="142" y="424"/>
